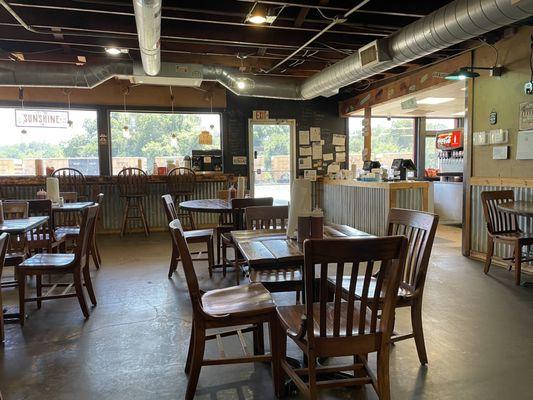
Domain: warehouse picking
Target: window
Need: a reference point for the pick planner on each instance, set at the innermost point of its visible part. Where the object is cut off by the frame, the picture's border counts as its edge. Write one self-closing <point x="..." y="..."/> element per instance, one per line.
<point x="439" y="124"/>
<point x="431" y="160"/>
<point x="355" y="141"/>
<point x="392" y="138"/>
<point x="159" y="137"/>
<point x="45" y="134"/>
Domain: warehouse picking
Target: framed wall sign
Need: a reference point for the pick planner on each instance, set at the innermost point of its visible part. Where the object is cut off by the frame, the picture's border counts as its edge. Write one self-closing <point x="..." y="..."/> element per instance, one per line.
<point x="525" y="119"/>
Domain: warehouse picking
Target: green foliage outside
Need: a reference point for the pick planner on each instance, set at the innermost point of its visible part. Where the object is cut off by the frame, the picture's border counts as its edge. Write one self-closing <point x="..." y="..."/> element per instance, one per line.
<point x="271" y="140"/>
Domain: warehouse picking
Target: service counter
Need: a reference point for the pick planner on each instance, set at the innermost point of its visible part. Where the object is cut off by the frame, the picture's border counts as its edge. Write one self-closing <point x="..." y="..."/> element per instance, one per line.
<point x="365" y="205"/>
<point x="208" y="185"/>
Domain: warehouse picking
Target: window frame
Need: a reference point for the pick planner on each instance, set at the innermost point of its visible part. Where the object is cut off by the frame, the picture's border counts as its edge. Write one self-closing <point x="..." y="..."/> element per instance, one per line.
<point x="59" y="107"/>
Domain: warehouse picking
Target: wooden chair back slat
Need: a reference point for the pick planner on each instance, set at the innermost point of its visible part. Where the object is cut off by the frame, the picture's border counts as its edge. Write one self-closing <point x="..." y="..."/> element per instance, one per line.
<point x="87" y="230"/>
<point x="132" y="182"/>
<point x="71" y="180"/>
<point x="359" y="255"/>
<point x="181" y="181"/>
<point x="498" y="221"/>
<point x="266" y="217"/>
<point x="238" y="207"/>
<point x="43" y="234"/>
<point x="420" y="228"/>
<point x="4" y="243"/>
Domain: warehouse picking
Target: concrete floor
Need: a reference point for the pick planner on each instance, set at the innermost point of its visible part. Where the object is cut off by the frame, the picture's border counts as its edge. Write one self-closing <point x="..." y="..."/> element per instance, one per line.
<point x="479" y="336"/>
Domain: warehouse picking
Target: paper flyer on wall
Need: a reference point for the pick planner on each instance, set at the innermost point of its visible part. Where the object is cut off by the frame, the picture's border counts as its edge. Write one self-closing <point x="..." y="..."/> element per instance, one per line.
<point x="305" y="151"/>
<point x="303" y="138"/>
<point x="340" y="157"/>
<point x="328" y="157"/>
<point x="304" y="162"/>
<point x="317" y="151"/>
<point x="315" y="134"/>
<point x="339" y="140"/>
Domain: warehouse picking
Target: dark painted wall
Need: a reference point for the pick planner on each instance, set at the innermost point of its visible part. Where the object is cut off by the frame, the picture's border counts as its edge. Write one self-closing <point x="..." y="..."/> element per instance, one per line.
<point x="320" y="112"/>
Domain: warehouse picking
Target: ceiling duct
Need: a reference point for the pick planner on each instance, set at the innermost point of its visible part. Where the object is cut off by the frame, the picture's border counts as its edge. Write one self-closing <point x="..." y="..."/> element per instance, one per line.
<point x="148" y="21"/>
<point x="454" y="23"/>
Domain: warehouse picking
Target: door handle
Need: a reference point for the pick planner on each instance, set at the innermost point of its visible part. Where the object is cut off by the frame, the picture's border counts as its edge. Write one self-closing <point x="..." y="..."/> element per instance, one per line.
<point x="255" y="155"/>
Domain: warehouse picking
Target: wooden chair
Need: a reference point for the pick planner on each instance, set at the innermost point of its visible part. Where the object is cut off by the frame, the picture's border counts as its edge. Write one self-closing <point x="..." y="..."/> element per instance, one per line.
<point x="238" y="206"/>
<point x="72" y="180"/>
<point x="420" y="229"/>
<point x="18" y="244"/>
<point x="248" y="305"/>
<point x="503" y="228"/>
<point x="225" y="222"/>
<point x="181" y="184"/>
<point x="328" y="326"/>
<point x="133" y="187"/>
<point x="4" y="241"/>
<point x="274" y="279"/>
<point x="71" y="233"/>
<point x="44" y="237"/>
<point x="195" y="236"/>
<point x="76" y="264"/>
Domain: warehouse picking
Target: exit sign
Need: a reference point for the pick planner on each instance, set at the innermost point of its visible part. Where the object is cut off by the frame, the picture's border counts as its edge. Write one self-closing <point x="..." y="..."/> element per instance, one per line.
<point x="260" y="114"/>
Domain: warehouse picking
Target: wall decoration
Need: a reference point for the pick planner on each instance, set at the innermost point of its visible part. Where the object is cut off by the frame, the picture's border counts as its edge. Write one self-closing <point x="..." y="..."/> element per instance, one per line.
<point x="524" y="146"/>
<point x="493" y="117"/>
<point x="305" y="151"/>
<point x="315" y="134"/>
<point x="239" y="160"/>
<point x="525" y="121"/>
<point x="303" y="137"/>
<point x="310" y="174"/>
<point x="304" y="163"/>
<point x="339" y="140"/>
<point x="317" y="151"/>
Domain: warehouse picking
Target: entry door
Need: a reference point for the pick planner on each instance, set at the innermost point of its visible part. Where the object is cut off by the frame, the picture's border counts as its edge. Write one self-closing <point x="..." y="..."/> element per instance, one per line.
<point x="271" y="158"/>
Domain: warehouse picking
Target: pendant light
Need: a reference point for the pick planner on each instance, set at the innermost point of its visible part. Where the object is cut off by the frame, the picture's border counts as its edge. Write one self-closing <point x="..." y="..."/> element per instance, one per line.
<point x="173" y="135"/>
<point x="126" y="129"/>
<point x="21" y="98"/>
<point x="206" y="137"/>
<point x="70" y="123"/>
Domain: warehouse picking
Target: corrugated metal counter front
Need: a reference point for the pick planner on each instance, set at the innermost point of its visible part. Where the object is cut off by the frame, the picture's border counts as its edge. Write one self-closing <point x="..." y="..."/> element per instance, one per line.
<point x="207" y="186"/>
<point x="366" y="205"/>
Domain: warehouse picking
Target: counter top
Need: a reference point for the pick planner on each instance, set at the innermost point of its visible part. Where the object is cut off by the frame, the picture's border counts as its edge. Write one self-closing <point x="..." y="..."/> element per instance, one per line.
<point x="383" y="185"/>
<point x="102" y="180"/>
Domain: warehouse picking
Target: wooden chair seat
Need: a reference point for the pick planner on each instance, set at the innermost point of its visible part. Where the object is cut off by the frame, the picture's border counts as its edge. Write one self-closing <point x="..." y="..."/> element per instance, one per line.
<point x="198" y="235"/>
<point x="67" y="231"/>
<point x="239" y="301"/>
<point x="48" y="260"/>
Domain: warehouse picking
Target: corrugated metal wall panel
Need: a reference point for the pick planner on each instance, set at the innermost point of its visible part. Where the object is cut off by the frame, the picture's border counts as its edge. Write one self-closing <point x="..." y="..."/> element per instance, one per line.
<point x="409" y="198"/>
<point x="479" y="227"/>
<point x="112" y="209"/>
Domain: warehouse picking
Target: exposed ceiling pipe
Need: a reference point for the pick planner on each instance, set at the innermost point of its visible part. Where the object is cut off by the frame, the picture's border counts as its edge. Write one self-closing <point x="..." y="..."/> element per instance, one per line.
<point x="456" y="22"/>
<point x="148" y="21"/>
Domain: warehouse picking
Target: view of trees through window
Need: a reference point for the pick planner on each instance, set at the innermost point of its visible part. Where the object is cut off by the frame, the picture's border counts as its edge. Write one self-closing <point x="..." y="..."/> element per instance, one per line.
<point x="56" y="143"/>
<point x="391" y="138"/>
<point x="159" y="137"/>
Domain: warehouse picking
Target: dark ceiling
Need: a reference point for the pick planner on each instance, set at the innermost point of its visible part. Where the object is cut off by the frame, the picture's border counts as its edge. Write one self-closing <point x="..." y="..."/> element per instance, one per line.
<point x="211" y="32"/>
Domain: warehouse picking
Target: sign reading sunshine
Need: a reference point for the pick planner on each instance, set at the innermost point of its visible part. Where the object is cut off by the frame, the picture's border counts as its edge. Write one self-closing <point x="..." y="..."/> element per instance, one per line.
<point x="41" y="118"/>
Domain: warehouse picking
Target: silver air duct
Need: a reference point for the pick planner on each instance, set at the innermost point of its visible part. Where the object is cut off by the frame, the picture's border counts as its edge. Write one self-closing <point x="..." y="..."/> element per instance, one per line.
<point x="60" y="75"/>
<point x="456" y="22"/>
<point x="148" y="21"/>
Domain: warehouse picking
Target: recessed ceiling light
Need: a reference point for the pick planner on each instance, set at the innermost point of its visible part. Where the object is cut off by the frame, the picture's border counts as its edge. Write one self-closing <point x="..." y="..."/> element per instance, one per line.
<point x="115" y="51"/>
<point x="241" y="84"/>
<point x="435" y="100"/>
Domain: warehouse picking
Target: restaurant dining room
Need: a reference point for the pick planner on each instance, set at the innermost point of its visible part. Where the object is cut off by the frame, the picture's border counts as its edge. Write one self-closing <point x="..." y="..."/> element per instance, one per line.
<point x="240" y="199"/>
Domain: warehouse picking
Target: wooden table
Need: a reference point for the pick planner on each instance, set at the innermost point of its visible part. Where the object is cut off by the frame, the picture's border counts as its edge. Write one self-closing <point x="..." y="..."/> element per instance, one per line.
<point x="20" y="226"/>
<point x="72" y="207"/>
<point x="271" y="248"/>
<point x="523" y="208"/>
<point x="215" y="205"/>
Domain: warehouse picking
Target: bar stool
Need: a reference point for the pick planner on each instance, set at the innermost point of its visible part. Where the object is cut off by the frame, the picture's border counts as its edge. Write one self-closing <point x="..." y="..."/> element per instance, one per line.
<point x="72" y="180"/>
<point x="133" y="187"/>
<point x="181" y="183"/>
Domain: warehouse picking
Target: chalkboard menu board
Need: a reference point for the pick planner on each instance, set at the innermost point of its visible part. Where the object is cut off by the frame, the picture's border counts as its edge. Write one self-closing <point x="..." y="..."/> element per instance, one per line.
<point x="322" y="113"/>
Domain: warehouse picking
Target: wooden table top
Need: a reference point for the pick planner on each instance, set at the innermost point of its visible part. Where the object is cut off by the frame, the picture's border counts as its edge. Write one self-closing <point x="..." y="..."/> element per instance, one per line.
<point x="72" y="207"/>
<point x="215" y="205"/>
<point x="272" y="248"/>
<point x="524" y="208"/>
<point x="18" y="226"/>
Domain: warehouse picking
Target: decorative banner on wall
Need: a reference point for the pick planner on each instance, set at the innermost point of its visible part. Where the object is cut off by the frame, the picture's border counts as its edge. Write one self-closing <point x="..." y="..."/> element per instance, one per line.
<point x="41" y="118"/>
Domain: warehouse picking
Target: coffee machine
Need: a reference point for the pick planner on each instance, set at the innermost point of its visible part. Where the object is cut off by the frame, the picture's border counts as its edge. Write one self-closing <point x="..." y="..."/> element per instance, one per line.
<point x="207" y="160"/>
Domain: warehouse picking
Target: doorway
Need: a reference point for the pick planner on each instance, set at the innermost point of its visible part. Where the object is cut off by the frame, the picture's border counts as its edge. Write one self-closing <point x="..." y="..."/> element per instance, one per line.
<point x="272" y="158"/>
